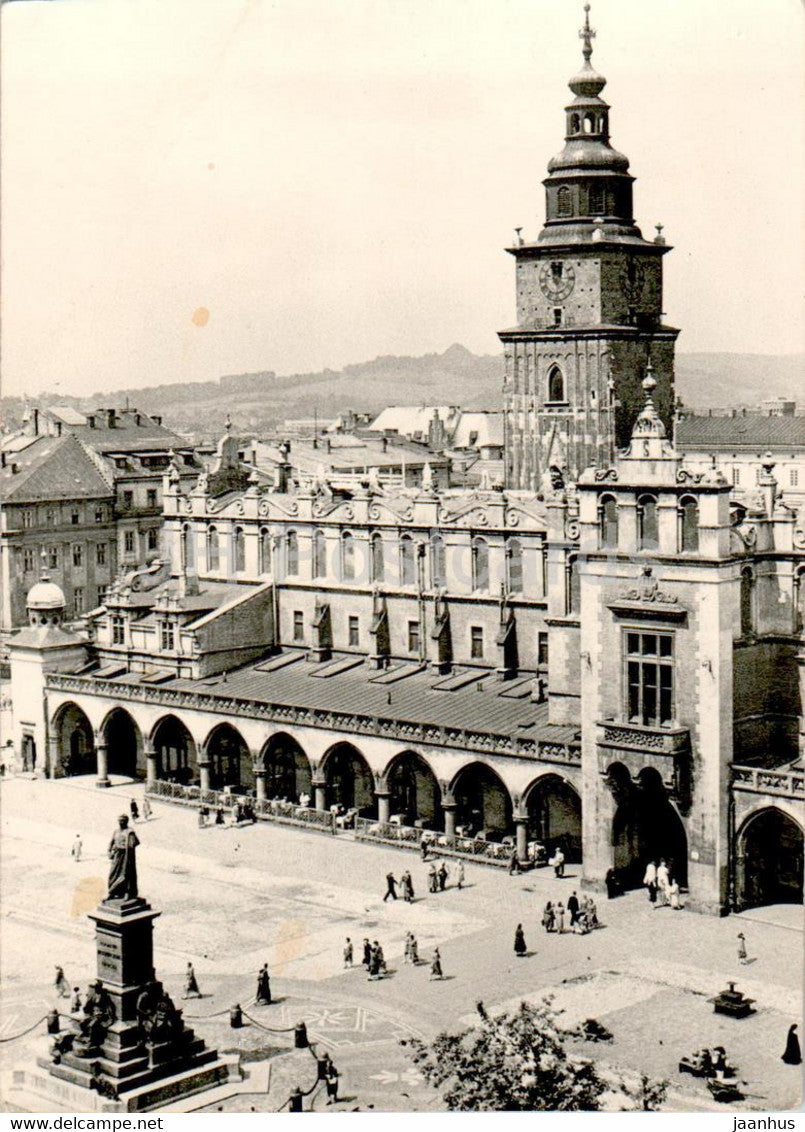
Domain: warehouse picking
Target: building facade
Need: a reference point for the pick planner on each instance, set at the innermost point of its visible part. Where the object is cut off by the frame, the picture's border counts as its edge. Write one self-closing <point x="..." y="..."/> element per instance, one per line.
<point x="613" y="665"/>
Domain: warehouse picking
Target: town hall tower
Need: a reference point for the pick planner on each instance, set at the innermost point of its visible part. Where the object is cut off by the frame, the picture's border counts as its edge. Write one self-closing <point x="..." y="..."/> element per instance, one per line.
<point x="589" y="308"/>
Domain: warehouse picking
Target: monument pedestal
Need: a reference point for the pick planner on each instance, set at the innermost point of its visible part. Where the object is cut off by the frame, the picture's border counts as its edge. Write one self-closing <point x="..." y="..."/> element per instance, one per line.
<point x="132" y="1047"/>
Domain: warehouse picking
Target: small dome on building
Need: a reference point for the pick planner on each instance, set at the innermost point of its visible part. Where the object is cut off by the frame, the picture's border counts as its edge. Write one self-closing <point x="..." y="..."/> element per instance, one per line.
<point x="45" y="595"/>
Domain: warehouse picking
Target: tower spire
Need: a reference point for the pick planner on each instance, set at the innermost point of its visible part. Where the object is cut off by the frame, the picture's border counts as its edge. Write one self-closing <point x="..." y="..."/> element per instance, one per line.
<point x="587" y="34"/>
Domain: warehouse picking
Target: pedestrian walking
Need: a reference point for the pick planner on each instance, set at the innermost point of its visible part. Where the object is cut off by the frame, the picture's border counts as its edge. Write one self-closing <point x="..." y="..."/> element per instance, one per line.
<point x="673" y="894"/>
<point x="560" y="917"/>
<point x="381" y="958"/>
<point x="374" y="964"/>
<point x="60" y="983"/>
<point x="407" y="950"/>
<point x="742" y="954"/>
<point x="77" y="849"/>
<point x="558" y="862"/>
<point x="433" y="880"/>
<point x="548" y="917"/>
<point x="514" y="863"/>
<point x="650" y="881"/>
<point x="442" y="876"/>
<point x="331" y="1082"/>
<point x="573" y="908"/>
<point x="592" y="913"/>
<point x="520" y="948"/>
<point x="414" y="949"/>
<point x="75" y="1003"/>
<point x="663" y="883"/>
<point x="391" y="887"/>
<point x="219" y="815"/>
<point x="263" y="996"/>
<point x="436" y="965"/>
<point x="423" y="846"/>
<point x="191" y="983"/>
<point x="792" y="1054"/>
<point x="348" y="953"/>
<point x="133" y="809"/>
<point x="407" y="886"/>
<point x="460" y="875"/>
<point x="367" y="953"/>
<point x="146" y="808"/>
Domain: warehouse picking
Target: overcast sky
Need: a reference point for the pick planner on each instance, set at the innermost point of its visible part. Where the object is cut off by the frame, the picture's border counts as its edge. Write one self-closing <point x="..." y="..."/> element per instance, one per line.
<point x="336" y="179"/>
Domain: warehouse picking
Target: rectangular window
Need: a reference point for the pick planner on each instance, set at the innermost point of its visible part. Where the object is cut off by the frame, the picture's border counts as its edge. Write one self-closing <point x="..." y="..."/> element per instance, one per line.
<point x="53" y="558"/>
<point x="413" y="636"/>
<point x="542" y="650"/>
<point x="118" y="631"/>
<point x="100" y="554"/>
<point x="50" y="518"/>
<point x="28" y="517"/>
<point x="151" y="497"/>
<point x="100" y="515"/>
<point x="128" y="499"/>
<point x="78" y="599"/>
<point x="78" y="554"/>
<point x="736" y="476"/>
<point x="476" y="642"/>
<point x="793" y="477"/>
<point x="28" y="558"/>
<point x="298" y="625"/>
<point x="128" y="542"/>
<point x="75" y="516"/>
<point x="152" y="538"/>
<point x="101" y="595"/>
<point x="166" y="636"/>
<point x="650" y="678"/>
<point x="353" y="628"/>
<point x="758" y="474"/>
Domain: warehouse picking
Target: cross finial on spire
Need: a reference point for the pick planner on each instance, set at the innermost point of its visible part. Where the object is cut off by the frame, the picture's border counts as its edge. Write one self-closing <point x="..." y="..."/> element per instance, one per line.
<point x="587" y="34"/>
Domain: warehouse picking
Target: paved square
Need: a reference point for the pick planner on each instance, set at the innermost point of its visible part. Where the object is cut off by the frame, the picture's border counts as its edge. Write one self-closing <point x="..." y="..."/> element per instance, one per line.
<point x="232" y="899"/>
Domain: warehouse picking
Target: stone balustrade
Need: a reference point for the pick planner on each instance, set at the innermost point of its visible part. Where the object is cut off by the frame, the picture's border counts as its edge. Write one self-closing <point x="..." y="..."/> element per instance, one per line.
<point x="779" y="783"/>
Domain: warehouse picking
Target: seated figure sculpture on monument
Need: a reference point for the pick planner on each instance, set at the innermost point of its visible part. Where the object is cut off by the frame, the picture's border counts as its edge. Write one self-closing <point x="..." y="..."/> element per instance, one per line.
<point x="123" y="855"/>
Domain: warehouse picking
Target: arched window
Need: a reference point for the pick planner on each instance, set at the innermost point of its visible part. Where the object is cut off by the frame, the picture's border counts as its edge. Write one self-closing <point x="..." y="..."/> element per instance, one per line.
<point x="573" y="599"/>
<point x="378" y="563"/>
<point x="319" y="555"/>
<point x="347" y="557"/>
<point x="213" y="549"/>
<point x="291" y="554"/>
<point x="747" y="602"/>
<point x="407" y="561"/>
<point x="564" y="202"/>
<point x="688" y="524"/>
<point x="598" y="200"/>
<point x="480" y="564"/>
<point x="608" y="520"/>
<point x="556" y="385"/>
<point x="265" y="551"/>
<point x="575" y="123"/>
<point x="589" y="123"/>
<point x="648" y="530"/>
<point x="514" y="565"/>
<point x="240" y="549"/>
<point x="438" y="566"/>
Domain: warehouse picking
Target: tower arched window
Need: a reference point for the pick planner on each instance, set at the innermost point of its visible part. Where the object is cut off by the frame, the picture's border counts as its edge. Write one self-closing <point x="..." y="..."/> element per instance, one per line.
<point x="347" y="557"/>
<point x="407" y="561"/>
<point x="589" y="123"/>
<point x="575" y="123"/>
<point x="480" y="564"/>
<point x="188" y="547"/>
<point x="264" y="551"/>
<point x="598" y="199"/>
<point x="319" y="555"/>
<point x="564" y="201"/>
<point x="608" y="520"/>
<point x="647" y="526"/>
<point x="747" y="602"/>
<point x="514" y="565"/>
<point x="213" y="549"/>
<point x="556" y="385"/>
<point x="688" y="525"/>
<point x="239" y="540"/>
<point x="291" y="554"/>
<point x="438" y="566"/>
<point x="378" y="560"/>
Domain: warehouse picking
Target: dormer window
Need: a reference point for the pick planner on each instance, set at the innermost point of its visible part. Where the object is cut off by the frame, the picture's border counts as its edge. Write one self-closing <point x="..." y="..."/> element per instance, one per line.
<point x="166" y="636"/>
<point x="118" y="631"/>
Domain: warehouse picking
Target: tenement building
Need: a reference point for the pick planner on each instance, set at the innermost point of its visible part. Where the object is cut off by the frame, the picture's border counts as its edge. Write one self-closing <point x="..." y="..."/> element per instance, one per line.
<point x="612" y="665"/>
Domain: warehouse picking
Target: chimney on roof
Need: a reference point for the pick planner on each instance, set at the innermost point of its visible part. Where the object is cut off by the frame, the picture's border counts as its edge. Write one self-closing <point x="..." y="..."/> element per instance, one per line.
<point x="91" y="420"/>
<point x="138" y="420"/>
<point x="36" y="421"/>
<point x="58" y="428"/>
<point x="157" y="419"/>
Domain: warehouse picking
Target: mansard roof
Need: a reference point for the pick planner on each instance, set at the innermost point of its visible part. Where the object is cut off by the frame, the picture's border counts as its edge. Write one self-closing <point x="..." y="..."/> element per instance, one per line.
<point x="746" y="430"/>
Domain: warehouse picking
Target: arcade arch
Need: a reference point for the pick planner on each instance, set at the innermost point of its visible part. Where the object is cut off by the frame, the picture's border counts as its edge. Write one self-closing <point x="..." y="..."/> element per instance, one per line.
<point x="124" y="744"/>
<point x="287" y="768"/>
<point x="769" y="859"/>
<point x="348" y="780"/>
<point x="75" y="741"/>
<point x="414" y="791"/>
<point x="554" y="815"/>
<point x="645" y="827"/>
<point x="229" y="758"/>
<point x="176" y="753"/>
<point x="483" y="804"/>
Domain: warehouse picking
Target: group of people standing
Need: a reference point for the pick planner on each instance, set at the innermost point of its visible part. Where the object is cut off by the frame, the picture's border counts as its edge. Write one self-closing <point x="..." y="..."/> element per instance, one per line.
<point x="662" y="887"/>
<point x="241" y="812"/>
<point x="374" y="959"/>
<point x="438" y="876"/>
<point x="580" y="915"/>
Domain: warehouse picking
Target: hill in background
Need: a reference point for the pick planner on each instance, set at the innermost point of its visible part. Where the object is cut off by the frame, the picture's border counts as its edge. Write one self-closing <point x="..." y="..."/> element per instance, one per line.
<point x="259" y="402"/>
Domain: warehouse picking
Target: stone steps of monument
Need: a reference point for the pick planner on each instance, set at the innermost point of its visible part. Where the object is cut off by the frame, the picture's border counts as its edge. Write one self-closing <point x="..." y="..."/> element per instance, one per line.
<point x="168" y="1090"/>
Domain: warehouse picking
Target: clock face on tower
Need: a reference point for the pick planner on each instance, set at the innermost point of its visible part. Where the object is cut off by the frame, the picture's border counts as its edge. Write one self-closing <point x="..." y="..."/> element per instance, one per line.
<point x="557" y="280"/>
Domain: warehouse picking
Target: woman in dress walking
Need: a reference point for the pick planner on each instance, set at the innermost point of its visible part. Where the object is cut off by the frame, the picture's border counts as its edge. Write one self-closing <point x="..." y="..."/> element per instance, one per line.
<point x="520" y="948"/>
<point x="191" y="983"/>
<point x="548" y="917"/>
<point x="436" y="965"/>
<point x="742" y="953"/>
<point x="792" y="1055"/>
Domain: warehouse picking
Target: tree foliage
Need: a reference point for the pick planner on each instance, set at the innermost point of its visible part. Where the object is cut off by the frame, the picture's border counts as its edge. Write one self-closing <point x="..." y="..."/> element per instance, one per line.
<point x="515" y="1062"/>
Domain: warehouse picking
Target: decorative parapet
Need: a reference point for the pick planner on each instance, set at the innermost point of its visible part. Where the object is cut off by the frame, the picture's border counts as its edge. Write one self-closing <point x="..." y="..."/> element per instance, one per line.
<point x="352" y="723"/>
<point x="633" y="737"/>
<point x="778" y="783"/>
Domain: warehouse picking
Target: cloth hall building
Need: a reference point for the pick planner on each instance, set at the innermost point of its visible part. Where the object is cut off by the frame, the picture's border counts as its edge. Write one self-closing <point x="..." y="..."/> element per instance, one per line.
<point x="605" y="654"/>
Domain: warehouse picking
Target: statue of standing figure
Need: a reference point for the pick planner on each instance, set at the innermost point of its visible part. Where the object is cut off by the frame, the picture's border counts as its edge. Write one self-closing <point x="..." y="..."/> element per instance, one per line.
<point x="122" y="853"/>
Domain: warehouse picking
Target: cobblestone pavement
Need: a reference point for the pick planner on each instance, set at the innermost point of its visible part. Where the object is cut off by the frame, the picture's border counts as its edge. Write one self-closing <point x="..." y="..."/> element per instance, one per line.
<point x="232" y="899"/>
